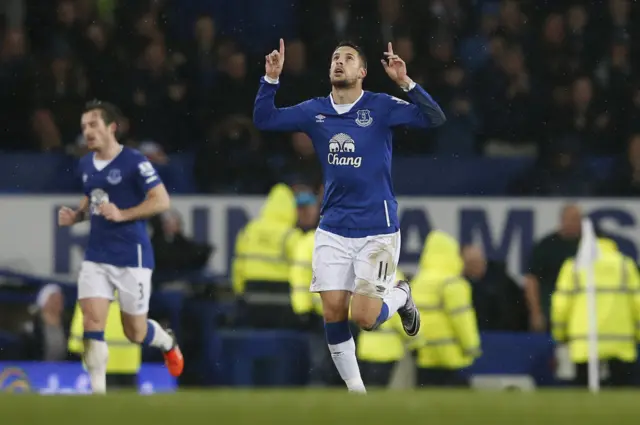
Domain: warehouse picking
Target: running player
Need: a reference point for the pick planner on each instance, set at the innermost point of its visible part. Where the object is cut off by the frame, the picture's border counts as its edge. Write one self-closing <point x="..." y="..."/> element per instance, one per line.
<point x="122" y="190"/>
<point x="357" y="245"/>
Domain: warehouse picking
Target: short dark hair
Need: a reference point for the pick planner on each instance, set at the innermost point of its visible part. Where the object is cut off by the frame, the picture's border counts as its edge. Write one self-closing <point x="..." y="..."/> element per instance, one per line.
<point x="110" y="112"/>
<point x="358" y="49"/>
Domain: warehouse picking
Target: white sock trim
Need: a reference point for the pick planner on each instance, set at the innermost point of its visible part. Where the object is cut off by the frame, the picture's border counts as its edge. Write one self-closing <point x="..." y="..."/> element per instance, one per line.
<point x="395" y="299"/>
<point x="161" y="338"/>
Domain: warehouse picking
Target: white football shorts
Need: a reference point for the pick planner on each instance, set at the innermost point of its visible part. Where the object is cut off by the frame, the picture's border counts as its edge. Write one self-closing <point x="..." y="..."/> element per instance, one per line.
<point x="133" y="284"/>
<point x="365" y="266"/>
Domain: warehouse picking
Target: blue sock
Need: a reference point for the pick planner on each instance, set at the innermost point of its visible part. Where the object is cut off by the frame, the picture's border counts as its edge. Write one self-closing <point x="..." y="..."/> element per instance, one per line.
<point x="337" y="332"/>
<point x="151" y="333"/>
<point x="383" y="316"/>
<point x="96" y="335"/>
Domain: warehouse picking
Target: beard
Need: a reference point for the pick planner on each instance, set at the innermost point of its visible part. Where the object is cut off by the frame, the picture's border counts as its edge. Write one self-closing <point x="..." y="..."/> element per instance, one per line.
<point x="346" y="83"/>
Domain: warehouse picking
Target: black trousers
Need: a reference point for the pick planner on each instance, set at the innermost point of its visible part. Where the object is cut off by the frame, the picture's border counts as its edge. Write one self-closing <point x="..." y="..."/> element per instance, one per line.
<point x="376" y="374"/>
<point x="621" y="374"/>
<point x="440" y="377"/>
<point x="122" y="381"/>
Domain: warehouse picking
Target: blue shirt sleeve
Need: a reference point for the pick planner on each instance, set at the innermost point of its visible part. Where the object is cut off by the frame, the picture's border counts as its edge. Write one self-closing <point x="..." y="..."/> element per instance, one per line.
<point x="146" y="175"/>
<point x="267" y="117"/>
<point x="421" y="112"/>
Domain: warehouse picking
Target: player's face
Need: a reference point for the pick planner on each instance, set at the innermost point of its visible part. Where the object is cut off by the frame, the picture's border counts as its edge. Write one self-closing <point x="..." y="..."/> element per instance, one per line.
<point x="346" y="68"/>
<point x="96" y="133"/>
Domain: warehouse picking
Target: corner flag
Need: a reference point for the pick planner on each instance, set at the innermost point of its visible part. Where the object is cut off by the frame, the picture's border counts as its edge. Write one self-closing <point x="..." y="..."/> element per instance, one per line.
<point x="588" y="254"/>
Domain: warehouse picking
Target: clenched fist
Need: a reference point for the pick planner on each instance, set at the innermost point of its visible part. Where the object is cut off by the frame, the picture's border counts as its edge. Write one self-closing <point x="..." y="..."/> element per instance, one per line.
<point x="274" y="62"/>
<point x="111" y="212"/>
<point x="67" y="217"/>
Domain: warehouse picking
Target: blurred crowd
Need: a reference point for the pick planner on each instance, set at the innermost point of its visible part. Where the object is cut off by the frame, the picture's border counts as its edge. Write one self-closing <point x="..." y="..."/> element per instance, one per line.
<point x="554" y="80"/>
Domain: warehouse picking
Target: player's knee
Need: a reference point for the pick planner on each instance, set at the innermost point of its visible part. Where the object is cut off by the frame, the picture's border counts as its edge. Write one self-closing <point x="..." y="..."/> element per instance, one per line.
<point x="335" y="311"/>
<point x="335" y="314"/>
<point x="94" y="314"/>
<point x="335" y="306"/>
<point x="365" y="321"/>
<point x="365" y="310"/>
<point x="90" y="324"/>
<point x="135" y="330"/>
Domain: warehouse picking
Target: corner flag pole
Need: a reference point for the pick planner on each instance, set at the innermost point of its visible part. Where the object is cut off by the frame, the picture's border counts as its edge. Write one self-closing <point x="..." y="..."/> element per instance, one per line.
<point x="587" y="256"/>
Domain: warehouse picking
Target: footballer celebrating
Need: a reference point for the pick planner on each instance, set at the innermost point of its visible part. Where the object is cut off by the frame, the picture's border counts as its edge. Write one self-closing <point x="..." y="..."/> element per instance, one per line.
<point x="357" y="245"/>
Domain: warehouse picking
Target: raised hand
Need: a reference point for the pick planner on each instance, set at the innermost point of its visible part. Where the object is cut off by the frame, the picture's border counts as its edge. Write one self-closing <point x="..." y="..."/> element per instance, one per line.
<point x="395" y="67"/>
<point x="274" y="62"/>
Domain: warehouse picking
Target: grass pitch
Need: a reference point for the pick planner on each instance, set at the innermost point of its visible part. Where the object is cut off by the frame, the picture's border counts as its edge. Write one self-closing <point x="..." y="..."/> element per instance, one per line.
<point x="319" y="407"/>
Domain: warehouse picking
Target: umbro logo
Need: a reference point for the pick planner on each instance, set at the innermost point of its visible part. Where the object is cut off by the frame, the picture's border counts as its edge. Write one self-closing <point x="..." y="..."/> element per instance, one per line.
<point x="320" y="118"/>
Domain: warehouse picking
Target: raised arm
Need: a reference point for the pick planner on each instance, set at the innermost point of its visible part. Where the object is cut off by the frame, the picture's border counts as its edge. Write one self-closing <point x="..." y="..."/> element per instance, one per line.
<point x="424" y="111"/>
<point x="265" y="114"/>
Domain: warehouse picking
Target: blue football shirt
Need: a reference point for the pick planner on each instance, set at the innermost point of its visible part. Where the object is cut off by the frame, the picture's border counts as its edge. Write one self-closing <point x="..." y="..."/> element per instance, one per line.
<point x="354" y="147"/>
<point x="124" y="181"/>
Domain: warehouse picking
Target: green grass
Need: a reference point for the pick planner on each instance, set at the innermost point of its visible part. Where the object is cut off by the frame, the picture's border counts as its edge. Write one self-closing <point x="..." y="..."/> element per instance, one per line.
<point x="317" y="407"/>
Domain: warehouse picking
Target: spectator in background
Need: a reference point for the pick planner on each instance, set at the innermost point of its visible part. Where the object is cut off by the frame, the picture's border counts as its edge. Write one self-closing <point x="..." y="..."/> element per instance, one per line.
<point x="545" y="262"/>
<point x="580" y="39"/>
<point x="158" y="99"/>
<point x="154" y="152"/>
<point x="560" y="172"/>
<point x="584" y="117"/>
<point x="456" y="138"/>
<point x="304" y="164"/>
<point x="300" y="82"/>
<point x="102" y="60"/>
<point x="451" y="341"/>
<point x="551" y="59"/>
<point x="625" y="180"/>
<point x="323" y="25"/>
<point x="511" y="107"/>
<point x="45" y="337"/>
<point x="17" y="94"/>
<point x="475" y="50"/>
<point x="174" y="252"/>
<point x="498" y="300"/>
<point x="67" y="31"/>
<point x="630" y="116"/>
<point x="63" y="91"/>
<point x="264" y="251"/>
<point x="308" y="211"/>
<point x="617" y="287"/>
<point x="202" y="60"/>
<point x="236" y="86"/>
<point x="570" y="78"/>
<point x="232" y="160"/>
<point x="513" y="23"/>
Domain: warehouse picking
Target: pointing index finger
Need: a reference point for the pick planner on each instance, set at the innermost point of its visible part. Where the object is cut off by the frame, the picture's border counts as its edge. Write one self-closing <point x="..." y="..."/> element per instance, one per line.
<point x="390" y="48"/>
<point x="281" y="47"/>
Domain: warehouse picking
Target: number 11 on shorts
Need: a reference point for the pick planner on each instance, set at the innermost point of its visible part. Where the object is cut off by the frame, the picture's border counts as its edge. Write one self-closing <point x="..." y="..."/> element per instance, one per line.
<point x="382" y="267"/>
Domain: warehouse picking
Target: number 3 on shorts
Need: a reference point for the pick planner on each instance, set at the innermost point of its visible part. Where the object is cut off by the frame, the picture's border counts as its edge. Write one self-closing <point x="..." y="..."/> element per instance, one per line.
<point x="141" y="288"/>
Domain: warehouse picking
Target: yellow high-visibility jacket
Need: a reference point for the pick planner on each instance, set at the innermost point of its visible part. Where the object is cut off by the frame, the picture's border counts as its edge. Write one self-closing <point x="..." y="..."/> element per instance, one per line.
<point x="125" y="357"/>
<point x="264" y="248"/>
<point x="301" y="273"/>
<point x="617" y="286"/>
<point x="448" y="336"/>
<point x="387" y="343"/>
